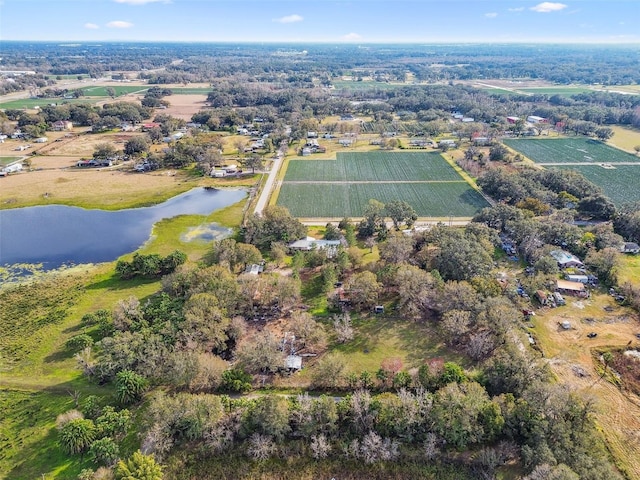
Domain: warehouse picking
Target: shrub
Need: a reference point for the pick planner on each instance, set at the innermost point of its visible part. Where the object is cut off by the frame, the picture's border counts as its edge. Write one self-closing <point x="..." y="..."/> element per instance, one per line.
<point x="79" y="342"/>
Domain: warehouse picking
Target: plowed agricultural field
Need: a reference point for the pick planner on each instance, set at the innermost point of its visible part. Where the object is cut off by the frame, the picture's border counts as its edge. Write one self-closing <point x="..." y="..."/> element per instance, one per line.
<point x="374" y="166"/>
<point x="343" y="187"/>
<point x="569" y="150"/>
<point x="620" y="183"/>
<point x="615" y="171"/>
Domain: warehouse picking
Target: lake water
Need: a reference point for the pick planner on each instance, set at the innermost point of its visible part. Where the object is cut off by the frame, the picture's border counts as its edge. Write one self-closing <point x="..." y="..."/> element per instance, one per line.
<point x="56" y="235"/>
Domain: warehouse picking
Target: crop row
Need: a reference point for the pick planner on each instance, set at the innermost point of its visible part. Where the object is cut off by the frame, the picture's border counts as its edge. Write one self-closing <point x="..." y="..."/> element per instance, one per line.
<point x="569" y="150"/>
<point x="620" y="184"/>
<point x="308" y="200"/>
<point x="373" y="166"/>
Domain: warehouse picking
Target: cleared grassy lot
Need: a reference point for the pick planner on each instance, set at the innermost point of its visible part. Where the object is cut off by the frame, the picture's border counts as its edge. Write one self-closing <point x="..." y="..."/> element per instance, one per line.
<point x="373" y="166"/>
<point x="620" y="183"/>
<point x="569" y="150"/>
<point x="308" y="200"/>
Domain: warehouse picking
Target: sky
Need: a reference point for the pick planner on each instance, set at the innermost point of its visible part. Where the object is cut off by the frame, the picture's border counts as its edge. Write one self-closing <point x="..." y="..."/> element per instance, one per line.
<point x="299" y="21"/>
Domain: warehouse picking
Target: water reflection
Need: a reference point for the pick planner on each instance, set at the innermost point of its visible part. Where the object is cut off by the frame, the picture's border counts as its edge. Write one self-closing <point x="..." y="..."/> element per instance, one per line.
<point x="55" y="235"/>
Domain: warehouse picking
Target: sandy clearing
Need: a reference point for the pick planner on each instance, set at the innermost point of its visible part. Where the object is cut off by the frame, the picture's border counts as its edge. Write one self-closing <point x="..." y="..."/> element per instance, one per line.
<point x="101" y="186"/>
<point x="184" y="106"/>
<point x="570" y="351"/>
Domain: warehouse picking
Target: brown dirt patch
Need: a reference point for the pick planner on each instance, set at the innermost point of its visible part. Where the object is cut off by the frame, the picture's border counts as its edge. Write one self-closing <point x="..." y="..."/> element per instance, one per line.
<point x="184" y="106"/>
<point x="570" y="356"/>
<point x="85" y="144"/>
<point x="100" y="187"/>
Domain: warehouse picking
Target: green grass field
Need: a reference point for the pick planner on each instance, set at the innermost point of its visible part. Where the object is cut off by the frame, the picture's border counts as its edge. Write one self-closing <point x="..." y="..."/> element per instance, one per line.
<point x="41" y="102"/>
<point x="191" y="91"/>
<point x="564" y="90"/>
<point x="343" y="187"/>
<point x="101" y="90"/>
<point x="351" y="85"/>
<point x="620" y="184"/>
<point x="373" y="166"/>
<point x="7" y="160"/>
<point x="569" y="150"/>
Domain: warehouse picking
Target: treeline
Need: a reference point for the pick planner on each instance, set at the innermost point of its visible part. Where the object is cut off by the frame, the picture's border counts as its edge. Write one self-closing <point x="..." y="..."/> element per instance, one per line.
<point x="503" y="409"/>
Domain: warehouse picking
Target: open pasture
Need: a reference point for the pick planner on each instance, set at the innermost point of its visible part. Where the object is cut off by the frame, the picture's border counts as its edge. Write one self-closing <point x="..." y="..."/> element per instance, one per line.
<point x="620" y="183"/>
<point x="438" y="199"/>
<point x="101" y="90"/>
<point x="373" y="166"/>
<point x="30" y="103"/>
<point x="569" y="150"/>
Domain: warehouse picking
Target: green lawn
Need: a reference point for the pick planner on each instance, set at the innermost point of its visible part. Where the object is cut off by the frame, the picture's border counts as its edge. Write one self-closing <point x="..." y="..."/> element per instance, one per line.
<point x="380" y="337"/>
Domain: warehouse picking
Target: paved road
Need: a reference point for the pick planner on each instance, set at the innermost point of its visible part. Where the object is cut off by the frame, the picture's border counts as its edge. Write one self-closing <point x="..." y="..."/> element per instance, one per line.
<point x="271" y="180"/>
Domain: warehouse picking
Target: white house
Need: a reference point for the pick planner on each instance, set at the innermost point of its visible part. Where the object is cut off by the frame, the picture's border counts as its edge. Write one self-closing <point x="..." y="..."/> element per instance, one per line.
<point x="566" y="259"/>
<point x="630" y="247"/>
<point x="310" y="243"/>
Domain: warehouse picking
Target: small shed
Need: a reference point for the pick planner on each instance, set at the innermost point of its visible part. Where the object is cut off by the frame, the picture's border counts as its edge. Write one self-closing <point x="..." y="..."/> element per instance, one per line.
<point x="571" y="288"/>
<point x="293" y="363"/>
<point x="577" y="278"/>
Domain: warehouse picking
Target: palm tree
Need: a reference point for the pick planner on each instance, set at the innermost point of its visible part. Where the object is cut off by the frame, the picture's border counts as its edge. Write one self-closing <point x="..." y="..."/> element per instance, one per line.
<point x="138" y="467"/>
<point x="76" y="436"/>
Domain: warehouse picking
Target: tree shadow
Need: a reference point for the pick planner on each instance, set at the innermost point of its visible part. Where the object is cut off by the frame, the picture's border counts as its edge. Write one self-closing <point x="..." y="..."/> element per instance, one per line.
<point x="32" y="414"/>
<point x="114" y="283"/>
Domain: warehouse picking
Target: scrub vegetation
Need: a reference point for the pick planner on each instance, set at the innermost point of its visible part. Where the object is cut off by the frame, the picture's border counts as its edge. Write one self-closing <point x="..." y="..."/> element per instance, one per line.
<point x="381" y="347"/>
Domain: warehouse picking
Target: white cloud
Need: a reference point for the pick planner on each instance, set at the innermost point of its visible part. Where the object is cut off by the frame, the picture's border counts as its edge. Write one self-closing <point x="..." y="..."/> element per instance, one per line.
<point x="547" y="7"/>
<point x="91" y="26"/>
<point x="139" y="2"/>
<point x="119" y="24"/>
<point x="491" y="15"/>
<point x="518" y="9"/>
<point x="289" y="19"/>
<point x="351" y="36"/>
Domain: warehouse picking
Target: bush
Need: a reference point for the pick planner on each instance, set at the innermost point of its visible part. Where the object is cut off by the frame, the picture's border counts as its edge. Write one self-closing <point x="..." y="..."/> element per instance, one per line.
<point x="79" y="342"/>
<point x="104" y="451"/>
<point x="130" y="386"/>
<point x="236" y="380"/>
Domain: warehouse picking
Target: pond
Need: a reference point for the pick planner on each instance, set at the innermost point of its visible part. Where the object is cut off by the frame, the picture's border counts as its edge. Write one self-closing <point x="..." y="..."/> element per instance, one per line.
<point x="56" y="235"/>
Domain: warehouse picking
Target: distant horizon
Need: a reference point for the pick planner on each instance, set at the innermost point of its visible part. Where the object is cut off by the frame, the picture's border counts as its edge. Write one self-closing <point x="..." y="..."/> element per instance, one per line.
<point x="322" y="21"/>
<point x="97" y="42"/>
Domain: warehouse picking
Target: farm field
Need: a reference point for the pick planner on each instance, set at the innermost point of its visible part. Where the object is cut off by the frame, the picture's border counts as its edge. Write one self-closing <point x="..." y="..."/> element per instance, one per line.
<point x="437" y="199"/>
<point x="343" y="187"/>
<point x="30" y="103"/>
<point x="7" y="160"/>
<point x="620" y="183"/>
<point x="101" y="90"/>
<point x="569" y="150"/>
<point x="373" y="166"/>
<point x="190" y="91"/>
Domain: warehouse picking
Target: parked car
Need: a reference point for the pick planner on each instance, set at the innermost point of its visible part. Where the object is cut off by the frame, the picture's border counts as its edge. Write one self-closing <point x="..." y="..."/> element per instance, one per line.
<point x="592" y="334"/>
